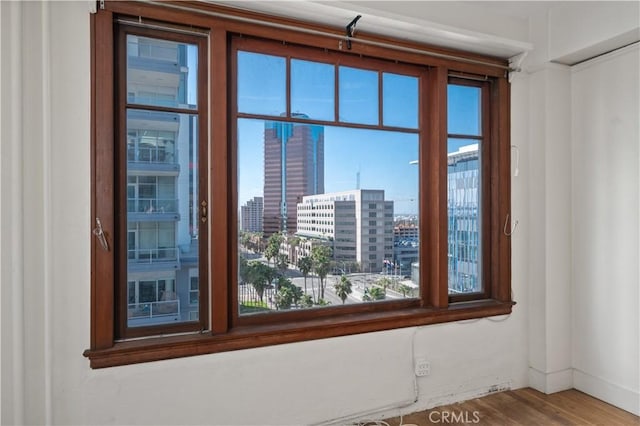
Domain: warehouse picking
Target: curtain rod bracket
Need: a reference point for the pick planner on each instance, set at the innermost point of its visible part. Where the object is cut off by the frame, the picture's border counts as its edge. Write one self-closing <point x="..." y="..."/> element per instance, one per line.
<point x="515" y="64"/>
<point x="365" y="41"/>
<point x="351" y="30"/>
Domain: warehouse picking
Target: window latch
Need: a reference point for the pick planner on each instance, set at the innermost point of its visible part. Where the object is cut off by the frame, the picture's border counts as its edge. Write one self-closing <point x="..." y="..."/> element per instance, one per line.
<point x="99" y="233"/>
<point x="203" y="211"/>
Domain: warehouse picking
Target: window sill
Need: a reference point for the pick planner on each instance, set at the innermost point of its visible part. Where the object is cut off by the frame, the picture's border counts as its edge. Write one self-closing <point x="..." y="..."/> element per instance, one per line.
<point x="246" y="337"/>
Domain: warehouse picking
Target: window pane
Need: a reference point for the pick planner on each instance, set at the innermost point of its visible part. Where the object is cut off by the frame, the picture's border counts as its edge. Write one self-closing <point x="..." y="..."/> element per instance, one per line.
<point x="400" y="100"/>
<point x="161" y="72"/>
<point x="262" y="83"/>
<point x="162" y="234"/>
<point x="463" y="205"/>
<point x="305" y="205"/>
<point x="313" y="90"/>
<point x="464" y="110"/>
<point x="358" y="96"/>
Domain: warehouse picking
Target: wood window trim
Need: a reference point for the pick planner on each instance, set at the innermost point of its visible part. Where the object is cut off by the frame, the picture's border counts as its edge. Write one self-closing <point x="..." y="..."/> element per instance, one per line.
<point x="247" y="337"/>
<point x="434" y="306"/>
<point x="201" y="113"/>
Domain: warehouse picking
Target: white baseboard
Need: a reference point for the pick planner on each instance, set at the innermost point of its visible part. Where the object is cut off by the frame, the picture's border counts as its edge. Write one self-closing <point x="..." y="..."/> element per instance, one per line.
<point x="624" y="398"/>
<point x="555" y="381"/>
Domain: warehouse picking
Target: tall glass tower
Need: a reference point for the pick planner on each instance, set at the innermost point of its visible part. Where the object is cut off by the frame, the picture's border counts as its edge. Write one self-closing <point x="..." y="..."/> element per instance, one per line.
<point x="293" y="168"/>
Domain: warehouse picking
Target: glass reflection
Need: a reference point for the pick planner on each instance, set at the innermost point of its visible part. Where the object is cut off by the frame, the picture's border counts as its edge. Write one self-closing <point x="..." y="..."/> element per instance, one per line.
<point x="161" y="72"/>
<point x="463" y="207"/>
<point x="358" y="96"/>
<point x="400" y="101"/>
<point x="262" y="84"/>
<point x="162" y="222"/>
<point x="312" y="89"/>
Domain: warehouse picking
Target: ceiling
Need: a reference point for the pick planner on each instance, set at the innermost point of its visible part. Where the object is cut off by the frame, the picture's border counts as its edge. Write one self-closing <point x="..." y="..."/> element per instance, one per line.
<point x="492" y="28"/>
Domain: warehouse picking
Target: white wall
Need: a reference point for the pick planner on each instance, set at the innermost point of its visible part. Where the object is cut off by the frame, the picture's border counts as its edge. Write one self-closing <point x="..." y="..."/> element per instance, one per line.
<point x="47" y="211"/>
<point x="593" y="28"/>
<point x="583" y="155"/>
<point x="549" y="152"/>
<point x="606" y="216"/>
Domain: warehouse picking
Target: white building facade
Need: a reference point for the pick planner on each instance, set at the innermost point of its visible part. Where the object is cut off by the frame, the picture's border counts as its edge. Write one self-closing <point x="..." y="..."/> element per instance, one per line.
<point x="358" y="222"/>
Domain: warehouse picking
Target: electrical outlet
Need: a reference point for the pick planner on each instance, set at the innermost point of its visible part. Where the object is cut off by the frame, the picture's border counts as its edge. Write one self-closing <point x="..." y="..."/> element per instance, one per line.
<point x="422" y="367"/>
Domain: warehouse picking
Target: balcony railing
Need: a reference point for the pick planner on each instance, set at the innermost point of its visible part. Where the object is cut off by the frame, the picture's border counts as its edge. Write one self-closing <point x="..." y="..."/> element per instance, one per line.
<point x="150" y="310"/>
<point x="152" y="205"/>
<point x="156" y="255"/>
<point x="152" y="156"/>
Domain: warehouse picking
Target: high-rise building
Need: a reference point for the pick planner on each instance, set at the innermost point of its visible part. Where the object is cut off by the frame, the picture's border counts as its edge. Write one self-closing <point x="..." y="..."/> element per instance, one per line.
<point x="359" y="223"/>
<point x="464" y="220"/>
<point x="293" y="168"/>
<point x="162" y="211"/>
<point x="251" y="215"/>
<point x="406" y="248"/>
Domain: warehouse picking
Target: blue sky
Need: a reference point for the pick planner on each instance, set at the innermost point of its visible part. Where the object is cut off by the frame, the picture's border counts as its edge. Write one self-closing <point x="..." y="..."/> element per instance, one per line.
<point x="381" y="157"/>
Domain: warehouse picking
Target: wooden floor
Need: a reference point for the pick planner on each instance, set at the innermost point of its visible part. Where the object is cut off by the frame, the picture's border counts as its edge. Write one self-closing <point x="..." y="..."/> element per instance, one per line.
<point x="524" y="407"/>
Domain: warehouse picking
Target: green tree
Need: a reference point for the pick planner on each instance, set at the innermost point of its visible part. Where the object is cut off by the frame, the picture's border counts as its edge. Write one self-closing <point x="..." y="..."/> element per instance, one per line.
<point x="282" y="262"/>
<point x="321" y="256"/>
<point x="260" y="277"/>
<point x="256" y="241"/>
<point x="273" y="246"/>
<point x="245" y="240"/>
<point x="373" y="293"/>
<point x="243" y="270"/>
<point x="405" y="289"/>
<point x="305" y="264"/>
<point x="384" y="282"/>
<point x="294" y="242"/>
<point x="306" y="301"/>
<point x="343" y="288"/>
<point x="288" y="294"/>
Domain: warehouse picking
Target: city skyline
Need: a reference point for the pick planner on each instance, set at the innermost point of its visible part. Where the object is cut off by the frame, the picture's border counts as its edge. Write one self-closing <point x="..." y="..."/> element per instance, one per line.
<point x="355" y="157"/>
<point x="348" y="152"/>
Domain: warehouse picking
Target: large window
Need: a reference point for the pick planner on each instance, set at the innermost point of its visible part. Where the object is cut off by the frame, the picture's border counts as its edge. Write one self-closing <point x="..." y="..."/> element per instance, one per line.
<point x="255" y="191"/>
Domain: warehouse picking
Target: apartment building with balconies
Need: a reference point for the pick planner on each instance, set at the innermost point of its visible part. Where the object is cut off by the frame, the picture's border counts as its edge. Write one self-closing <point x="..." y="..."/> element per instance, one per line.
<point x="162" y="255"/>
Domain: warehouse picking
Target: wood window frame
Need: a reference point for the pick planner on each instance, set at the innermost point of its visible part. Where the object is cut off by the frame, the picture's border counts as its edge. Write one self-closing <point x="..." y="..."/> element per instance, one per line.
<point x="108" y="345"/>
<point x="123" y="331"/>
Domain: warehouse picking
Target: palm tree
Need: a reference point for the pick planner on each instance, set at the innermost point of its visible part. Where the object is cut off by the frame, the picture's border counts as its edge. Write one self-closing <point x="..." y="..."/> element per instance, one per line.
<point x="343" y="288"/>
<point x="288" y="294"/>
<point x="384" y="282"/>
<point x="305" y="265"/>
<point x="294" y="242"/>
<point x="273" y="246"/>
<point x="373" y="293"/>
<point x="243" y="270"/>
<point x="245" y="240"/>
<point x="260" y="276"/>
<point x="282" y="263"/>
<point x="321" y="256"/>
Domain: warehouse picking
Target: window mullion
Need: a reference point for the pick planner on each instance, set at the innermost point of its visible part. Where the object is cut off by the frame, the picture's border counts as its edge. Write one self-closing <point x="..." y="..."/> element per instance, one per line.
<point x="336" y="88"/>
<point x="433" y="189"/>
<point x="221" y="189"/>
<point x="380" y="100"/>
